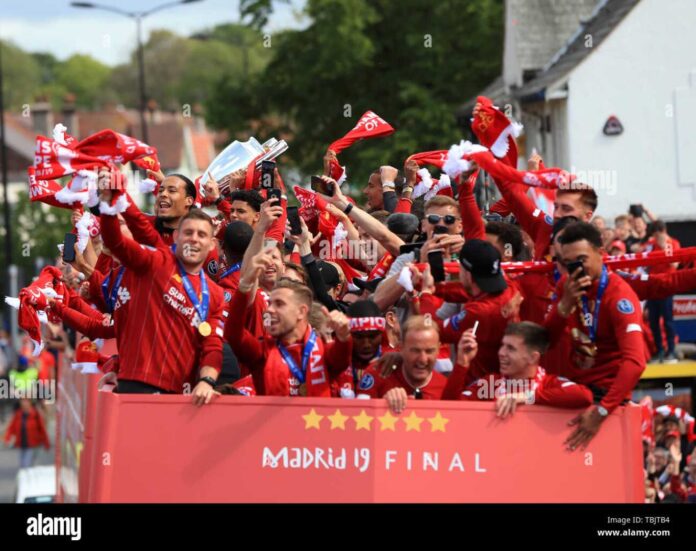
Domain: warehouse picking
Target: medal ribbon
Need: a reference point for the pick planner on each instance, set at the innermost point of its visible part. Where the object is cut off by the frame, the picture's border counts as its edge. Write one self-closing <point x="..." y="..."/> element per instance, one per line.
<point x="300" y="375"/>
<point x="603" y="281"/>
<point x="203" y="305"/>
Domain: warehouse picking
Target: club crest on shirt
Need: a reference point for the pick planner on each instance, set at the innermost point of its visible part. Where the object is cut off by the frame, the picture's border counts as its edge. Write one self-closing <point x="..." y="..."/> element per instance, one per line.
<point x="625" y="306"/>
<point x="228" y="296"/>
<point x="367" y="382"/>
<point x="212" y="267"/>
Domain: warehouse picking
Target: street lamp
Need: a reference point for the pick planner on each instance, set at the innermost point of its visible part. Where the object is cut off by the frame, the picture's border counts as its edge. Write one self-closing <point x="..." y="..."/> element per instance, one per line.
<point x="138" y="16"/>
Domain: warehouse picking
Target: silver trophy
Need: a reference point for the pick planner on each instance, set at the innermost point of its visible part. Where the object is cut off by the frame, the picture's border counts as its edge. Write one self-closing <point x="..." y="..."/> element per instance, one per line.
<point x="238" y="155"/>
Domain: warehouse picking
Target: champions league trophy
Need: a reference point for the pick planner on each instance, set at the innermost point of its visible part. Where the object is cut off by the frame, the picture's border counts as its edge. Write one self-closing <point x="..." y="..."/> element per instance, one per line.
<point x="238" y="155"/>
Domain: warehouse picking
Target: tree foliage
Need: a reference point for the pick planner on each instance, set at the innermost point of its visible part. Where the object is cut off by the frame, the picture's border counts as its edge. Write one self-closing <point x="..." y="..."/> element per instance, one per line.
<point x="411" y="62"/>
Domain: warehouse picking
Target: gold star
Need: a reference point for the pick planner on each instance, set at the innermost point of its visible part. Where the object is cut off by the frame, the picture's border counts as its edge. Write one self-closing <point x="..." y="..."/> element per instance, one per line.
<point x="413" y="422"/>
<point x="363" y="421"/>
<point x="338" y="420"/>
<point x="388" y="421"/>
<point x="312" y="420"/>
<point x="437" y="423"/>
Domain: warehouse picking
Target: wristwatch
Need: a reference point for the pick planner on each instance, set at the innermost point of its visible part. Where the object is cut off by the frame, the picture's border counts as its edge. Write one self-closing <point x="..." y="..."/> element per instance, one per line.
<point x="208" y="380"/>
<point x="349" y="207"/>
<point x="603" y="412"/>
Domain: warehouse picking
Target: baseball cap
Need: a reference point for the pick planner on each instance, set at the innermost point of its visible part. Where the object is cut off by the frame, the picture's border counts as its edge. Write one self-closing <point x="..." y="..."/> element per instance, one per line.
<point x="483" y="261"/>
<point x="329" y="273"/>
<point x="403" y="224"/>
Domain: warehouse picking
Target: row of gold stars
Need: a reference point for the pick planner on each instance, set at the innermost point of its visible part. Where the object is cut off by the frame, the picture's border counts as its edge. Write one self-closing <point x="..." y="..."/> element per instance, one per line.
<point x="363" y="421"/>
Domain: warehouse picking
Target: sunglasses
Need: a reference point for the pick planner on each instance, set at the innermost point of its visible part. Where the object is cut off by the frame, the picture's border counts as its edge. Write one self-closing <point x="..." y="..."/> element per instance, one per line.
<point x="449" y="219"/>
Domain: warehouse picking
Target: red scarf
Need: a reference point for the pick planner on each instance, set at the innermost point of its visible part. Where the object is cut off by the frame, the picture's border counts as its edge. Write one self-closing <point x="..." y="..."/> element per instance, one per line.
<point x="434" y="158"/>
<point x="382" y="267"/>
<point x="32" y="300"/>
<point x="547" y="178"/>
<point x="276" y="373"/>
<point x="370" y="125"/>
<point x="54" y="159"/>
<point x="494" y="130"/>
<point x="631" y="260"/>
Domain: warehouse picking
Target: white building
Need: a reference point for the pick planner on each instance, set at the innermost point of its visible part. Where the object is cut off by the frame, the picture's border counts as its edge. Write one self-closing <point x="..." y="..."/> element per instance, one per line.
<point x="629" y="59"/>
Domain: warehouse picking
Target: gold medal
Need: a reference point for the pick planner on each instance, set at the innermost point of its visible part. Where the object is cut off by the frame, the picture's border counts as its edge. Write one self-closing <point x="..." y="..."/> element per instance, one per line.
<point x="302" y="391"/>
<point x="204" y="328"/>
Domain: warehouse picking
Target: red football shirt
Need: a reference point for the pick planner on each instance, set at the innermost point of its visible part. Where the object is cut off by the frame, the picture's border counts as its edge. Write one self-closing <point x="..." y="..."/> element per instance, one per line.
<point x="159" y="343"/>
<point x="620" y="350"/>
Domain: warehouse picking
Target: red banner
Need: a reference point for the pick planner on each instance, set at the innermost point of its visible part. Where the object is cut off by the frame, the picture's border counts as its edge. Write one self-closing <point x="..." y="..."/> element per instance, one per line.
<point x="163" y="449"/>
<point x="684" y="307"/>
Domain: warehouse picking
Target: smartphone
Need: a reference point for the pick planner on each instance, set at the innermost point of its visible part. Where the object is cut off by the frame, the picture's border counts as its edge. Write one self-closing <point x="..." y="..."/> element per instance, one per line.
<point x="320" y="186"/>
<point x="294" y="219"/>
<point x="439" y="230"/>
<point x="437" y="265"/>
<point x="268" y="174"/>
<point x="636" y="210"/>
<point x="69" y="247"/>
<point x="273" y="195"/>
<point x="572" y="267"/>
<point x="411" y="247"/>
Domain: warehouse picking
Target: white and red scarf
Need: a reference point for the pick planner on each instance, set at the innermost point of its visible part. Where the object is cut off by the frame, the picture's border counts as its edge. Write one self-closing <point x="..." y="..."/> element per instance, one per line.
<point x="369" y="126"/>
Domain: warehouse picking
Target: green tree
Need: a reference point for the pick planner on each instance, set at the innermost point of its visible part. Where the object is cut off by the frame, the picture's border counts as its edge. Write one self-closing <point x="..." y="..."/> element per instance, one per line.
<point x="85" y="77"/>
<point x="21" y="77"/>
<point x="37" y="229"/>
<point x="409" y="61"/>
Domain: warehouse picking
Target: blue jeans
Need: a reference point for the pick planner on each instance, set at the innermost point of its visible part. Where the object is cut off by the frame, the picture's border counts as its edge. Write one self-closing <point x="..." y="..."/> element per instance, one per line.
<point x="26" y="457"/>
<point x="662" y="309"/>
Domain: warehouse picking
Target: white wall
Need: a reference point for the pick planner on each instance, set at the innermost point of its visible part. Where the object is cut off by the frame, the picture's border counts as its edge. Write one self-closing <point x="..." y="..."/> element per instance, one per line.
<point x="634" y="74"/>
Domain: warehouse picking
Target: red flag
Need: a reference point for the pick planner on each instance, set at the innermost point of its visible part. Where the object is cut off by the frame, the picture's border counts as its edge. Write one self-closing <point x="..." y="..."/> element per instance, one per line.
<point x="370" y="125"/>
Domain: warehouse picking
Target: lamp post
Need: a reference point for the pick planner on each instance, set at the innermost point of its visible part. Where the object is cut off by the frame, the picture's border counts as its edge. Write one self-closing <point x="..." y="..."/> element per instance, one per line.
<point x="138" y="16"/>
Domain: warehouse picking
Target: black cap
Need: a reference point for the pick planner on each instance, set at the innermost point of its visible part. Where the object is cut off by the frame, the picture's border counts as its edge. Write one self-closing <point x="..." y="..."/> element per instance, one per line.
<point x="483" y="261"/>
<point x="238" y="235"/>
<point x="403" y="224"/>
<point x="329" y="273"/>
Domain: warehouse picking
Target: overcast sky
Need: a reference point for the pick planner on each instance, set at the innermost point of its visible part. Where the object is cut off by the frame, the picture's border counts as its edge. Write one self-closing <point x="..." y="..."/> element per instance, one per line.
<point x="56" y="27"/>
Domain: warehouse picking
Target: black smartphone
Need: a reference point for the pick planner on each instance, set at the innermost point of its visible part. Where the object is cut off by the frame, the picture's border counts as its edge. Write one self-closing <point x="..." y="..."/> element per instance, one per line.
<point x="273" y="195"/>
<point x="268" y="174"/>
<point x="411" y="247"/>
<point x="437" y="265"/>
<point x="440" y="230"/>
<point x="573" y="267"/>
<point x="69" y="247"/>
<point x="294" y="219"/>
<point x="636" y="210"/>
<point x="320" y="186"/>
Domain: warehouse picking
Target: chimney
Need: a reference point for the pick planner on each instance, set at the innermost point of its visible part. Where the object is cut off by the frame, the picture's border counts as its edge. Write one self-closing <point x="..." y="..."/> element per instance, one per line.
<point x="42" y="117"/>
<point x="70" y="115"/>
